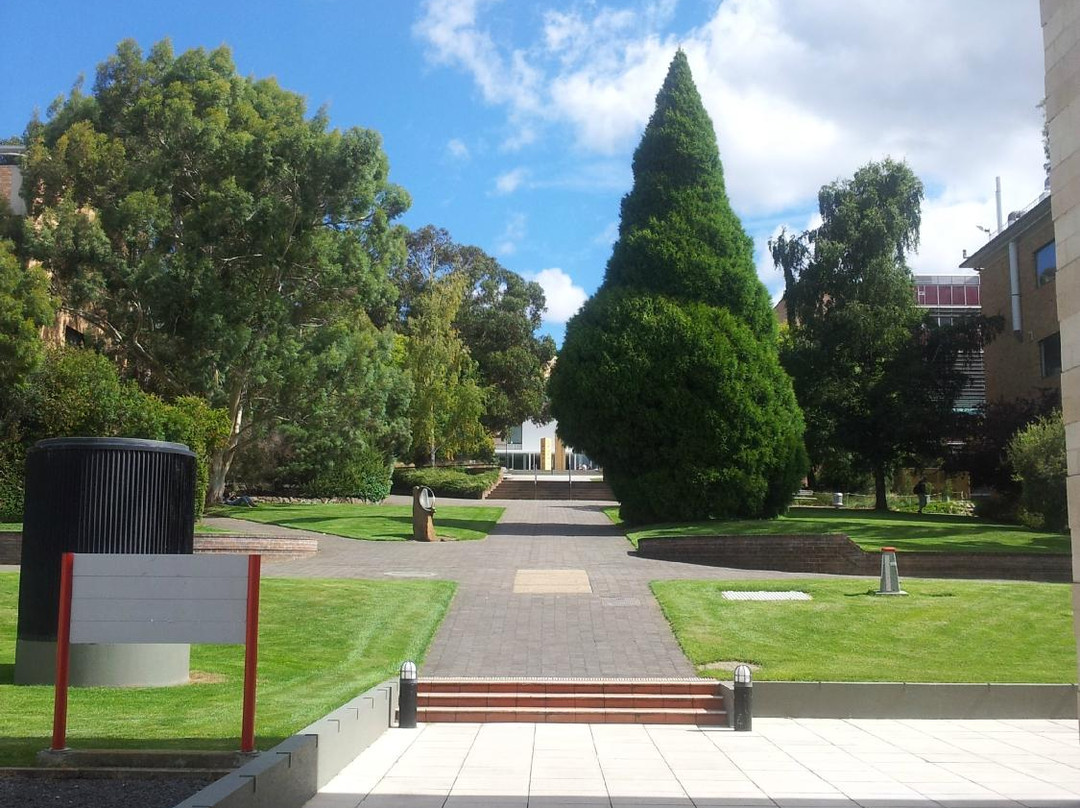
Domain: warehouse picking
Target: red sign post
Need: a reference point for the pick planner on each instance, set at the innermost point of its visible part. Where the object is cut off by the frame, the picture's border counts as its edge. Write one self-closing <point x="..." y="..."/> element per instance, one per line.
<point x="170" y="580"/>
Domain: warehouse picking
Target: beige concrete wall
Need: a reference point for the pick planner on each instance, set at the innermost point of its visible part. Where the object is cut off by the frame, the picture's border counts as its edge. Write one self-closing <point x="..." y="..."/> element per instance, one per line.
<point x="1013" y="366"/>
<point x="1061" y="40"/>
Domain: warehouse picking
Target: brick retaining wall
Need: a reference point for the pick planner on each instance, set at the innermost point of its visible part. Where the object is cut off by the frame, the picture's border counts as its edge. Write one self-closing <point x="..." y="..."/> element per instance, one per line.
<point x="10" y="548"/>
<point x="836" y="554"/>
<point x="271" y="548"/>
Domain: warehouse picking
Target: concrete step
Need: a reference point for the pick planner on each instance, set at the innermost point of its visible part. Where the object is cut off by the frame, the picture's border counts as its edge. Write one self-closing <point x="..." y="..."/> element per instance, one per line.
<point x="591" y="701"/>
<point x="552" y="490"/>
<point x="439" y="684"/>
<point x="492" y="715"/>
<point x="595" y="701"/>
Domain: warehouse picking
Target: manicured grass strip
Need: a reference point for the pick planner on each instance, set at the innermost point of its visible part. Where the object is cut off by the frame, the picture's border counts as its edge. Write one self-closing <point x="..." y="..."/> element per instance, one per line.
<point x="942" y="631"/>
<point x="10" y="526"/>
<point x="907" y="532"/>
<point x="321" y="642"/>
<point x="372" y="522"/>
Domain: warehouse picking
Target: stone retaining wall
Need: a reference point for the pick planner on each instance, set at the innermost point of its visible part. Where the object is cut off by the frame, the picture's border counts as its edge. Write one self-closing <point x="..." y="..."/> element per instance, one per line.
<point x="836" y="554"/>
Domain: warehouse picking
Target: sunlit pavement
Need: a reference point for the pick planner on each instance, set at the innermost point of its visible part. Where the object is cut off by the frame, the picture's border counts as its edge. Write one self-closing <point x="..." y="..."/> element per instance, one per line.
<point x="782" y="762"/>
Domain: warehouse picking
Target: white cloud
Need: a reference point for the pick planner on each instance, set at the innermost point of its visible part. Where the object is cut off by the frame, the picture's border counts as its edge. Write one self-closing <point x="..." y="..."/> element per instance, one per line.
<point x="503" y="76"/>
<point x="512" y="234"/>
<point x="802" y="92"/>
<point x="457" y="149"/>
<point x="563" y="296"/>
<point x="510" y="181"/>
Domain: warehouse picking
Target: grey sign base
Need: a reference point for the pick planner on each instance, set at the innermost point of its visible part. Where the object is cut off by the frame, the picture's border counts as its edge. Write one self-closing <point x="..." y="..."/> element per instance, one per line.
<point x="104" y="665"/>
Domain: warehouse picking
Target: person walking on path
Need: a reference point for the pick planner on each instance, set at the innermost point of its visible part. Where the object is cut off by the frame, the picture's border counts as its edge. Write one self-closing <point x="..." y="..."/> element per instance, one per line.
<point x="922" y="490"/>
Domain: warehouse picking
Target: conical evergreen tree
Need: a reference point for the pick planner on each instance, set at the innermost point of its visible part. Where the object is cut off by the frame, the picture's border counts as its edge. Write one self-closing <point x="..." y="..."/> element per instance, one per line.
<point x="678" y="235"/>
<point x="669" y="375"/>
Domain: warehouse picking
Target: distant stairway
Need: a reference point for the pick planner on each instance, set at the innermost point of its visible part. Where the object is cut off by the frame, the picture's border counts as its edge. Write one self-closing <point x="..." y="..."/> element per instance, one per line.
<point x="572" y="701"/>
<point x="511" y="488"/>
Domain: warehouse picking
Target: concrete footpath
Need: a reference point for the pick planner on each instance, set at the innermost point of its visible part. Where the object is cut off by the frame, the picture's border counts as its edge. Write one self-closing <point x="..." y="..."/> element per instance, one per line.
<point x="782" y="762"/>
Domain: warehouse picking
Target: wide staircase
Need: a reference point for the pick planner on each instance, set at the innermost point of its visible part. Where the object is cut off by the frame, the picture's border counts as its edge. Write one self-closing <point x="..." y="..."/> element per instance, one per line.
<point x="518" y="488"/>
<point x="572" y="701"/>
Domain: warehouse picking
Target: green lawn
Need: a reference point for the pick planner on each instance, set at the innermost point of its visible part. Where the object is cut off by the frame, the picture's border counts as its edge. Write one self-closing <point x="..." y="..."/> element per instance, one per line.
<point x="7" y="526"/>
<point x="321" y="642"/>
<point x="371" y="522"/>
<point x="910" y="532"/>
<point x="943" y="631"/>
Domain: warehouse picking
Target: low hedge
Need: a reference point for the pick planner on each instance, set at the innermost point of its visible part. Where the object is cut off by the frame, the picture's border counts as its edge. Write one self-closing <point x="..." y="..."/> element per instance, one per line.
<point x="464" y="483"/>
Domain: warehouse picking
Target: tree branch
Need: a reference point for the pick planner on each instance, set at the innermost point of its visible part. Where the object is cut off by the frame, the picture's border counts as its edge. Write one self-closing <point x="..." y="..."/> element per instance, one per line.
<point x="128" y="343"/>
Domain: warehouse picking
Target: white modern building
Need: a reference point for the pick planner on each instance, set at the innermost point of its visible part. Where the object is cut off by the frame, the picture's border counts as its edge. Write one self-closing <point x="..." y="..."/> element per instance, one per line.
<point x="530" y="447"/>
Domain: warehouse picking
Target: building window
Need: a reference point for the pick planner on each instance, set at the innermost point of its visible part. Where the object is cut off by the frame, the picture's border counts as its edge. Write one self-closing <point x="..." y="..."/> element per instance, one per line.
<point x="1050" y="355"/>
<point x="1045" y="263"/>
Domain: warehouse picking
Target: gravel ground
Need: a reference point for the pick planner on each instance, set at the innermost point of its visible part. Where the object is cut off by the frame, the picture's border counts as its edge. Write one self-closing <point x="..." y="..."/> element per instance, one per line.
<point x="45" y="792"/>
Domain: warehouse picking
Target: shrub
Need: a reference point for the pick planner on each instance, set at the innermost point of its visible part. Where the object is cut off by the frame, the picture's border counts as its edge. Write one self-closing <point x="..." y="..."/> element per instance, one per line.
<point x="77" y="392"/>
<point x="464" y="483"/>
<point x="690" y="415"/>
<point x="364" y="475"/>
<point x="1037" y="454"/>
<point x="12" y="460"/>
<point x="998" y="507"/>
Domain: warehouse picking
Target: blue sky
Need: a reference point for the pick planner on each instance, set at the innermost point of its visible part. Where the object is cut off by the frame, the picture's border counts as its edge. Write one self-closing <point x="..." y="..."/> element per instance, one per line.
<point x="512" y="124"/>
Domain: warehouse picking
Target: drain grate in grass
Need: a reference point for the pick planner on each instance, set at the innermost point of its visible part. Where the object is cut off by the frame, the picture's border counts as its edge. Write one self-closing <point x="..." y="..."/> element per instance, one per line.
<point x="765" y="595"/>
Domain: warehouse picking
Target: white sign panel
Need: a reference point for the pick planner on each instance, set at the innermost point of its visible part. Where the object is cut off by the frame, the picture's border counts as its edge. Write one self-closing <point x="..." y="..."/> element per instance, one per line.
<point x="118" y="598"/>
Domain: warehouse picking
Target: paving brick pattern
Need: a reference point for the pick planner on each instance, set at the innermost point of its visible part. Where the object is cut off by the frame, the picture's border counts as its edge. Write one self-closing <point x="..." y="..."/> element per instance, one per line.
<point x="616" y="630"/>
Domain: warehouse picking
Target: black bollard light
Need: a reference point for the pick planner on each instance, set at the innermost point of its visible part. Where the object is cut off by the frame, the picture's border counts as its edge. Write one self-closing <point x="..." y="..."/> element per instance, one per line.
<point x="744" y="699"/>
<point x="407" y="696"/>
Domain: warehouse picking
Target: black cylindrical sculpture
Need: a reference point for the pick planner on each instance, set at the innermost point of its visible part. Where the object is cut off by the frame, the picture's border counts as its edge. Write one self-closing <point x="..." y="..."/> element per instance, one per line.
<point x="99" y="495"/>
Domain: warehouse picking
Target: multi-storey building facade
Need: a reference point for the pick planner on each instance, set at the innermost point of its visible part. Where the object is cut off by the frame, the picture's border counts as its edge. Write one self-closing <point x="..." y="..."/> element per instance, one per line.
<point x="948" y="298"/>
<point x="1018" y="269"/>
<point x="11" y="178"/>
<point x="1061" y="41"/>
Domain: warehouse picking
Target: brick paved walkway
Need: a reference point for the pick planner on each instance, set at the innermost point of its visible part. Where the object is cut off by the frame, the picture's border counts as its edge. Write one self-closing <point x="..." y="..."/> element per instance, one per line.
<point x="615" y="630"/>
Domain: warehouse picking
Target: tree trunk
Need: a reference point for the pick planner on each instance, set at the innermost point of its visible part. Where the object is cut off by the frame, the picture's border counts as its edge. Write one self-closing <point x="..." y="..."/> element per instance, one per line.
<point x="881" y="503"/>
<point x="433" y="440"/>
<point x="222" y="459"/>
<point x="219" y="471"/>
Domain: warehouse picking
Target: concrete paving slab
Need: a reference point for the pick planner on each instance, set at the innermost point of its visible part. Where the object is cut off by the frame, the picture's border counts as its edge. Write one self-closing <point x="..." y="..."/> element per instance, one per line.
<point x="802" y="763"/>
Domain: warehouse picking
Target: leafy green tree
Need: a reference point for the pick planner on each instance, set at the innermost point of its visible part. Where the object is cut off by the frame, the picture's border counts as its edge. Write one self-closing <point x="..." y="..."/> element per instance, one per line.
<point x="25" y="306"/>
<point x="669" y="375"/>
<point x="351" y="418"/>
<point x="211" y="230"/>
<point x="498" y="318"/>
<point x="1037" y="454"/>
<point x="874" y="377"/>
<point x="447" y="400"/>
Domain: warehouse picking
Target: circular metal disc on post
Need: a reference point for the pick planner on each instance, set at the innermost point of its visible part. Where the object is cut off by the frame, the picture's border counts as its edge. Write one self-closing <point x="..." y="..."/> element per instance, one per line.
<point x="427" y="499"/>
